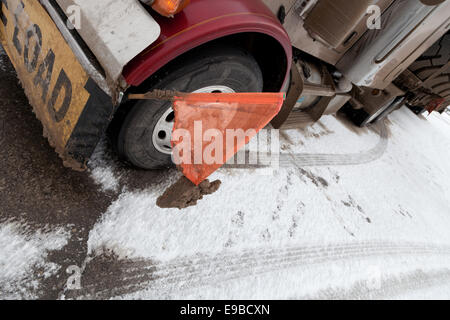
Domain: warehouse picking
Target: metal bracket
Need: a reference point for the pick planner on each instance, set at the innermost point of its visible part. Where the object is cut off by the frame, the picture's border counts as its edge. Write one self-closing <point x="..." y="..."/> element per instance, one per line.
<point x="294" y="92"/>
<point x="327" y="91"/>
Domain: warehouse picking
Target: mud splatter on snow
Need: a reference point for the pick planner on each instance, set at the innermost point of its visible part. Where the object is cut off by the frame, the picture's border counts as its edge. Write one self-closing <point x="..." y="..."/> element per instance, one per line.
<point x="184" y="193"/>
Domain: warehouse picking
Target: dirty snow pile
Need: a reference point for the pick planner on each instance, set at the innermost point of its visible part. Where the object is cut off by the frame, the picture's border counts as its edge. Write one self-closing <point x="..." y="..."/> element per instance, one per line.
<point x="23" y="258"/>
<point x="374" y="230"/>
<point x="102" y="168"/>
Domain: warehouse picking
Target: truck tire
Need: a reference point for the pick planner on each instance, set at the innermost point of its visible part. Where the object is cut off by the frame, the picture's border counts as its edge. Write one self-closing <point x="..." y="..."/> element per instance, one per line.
<point x="144" y="136"/>
<point x="357" y="116"/>
<point x="416" y="110"/>
<point x="433" y="60"/>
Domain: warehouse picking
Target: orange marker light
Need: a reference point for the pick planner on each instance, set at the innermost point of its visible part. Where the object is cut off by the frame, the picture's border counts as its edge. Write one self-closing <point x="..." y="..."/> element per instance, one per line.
<point x="169" y="8"/>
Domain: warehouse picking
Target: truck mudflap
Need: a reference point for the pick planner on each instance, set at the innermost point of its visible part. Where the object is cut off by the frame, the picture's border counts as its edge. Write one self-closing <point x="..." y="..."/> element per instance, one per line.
<point x="72" y="108"/>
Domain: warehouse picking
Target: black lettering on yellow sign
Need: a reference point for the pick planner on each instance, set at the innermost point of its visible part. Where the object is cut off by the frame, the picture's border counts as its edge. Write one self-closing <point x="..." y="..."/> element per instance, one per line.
<point x="47" y="68"/>
<point x="74" y="110"/>
<point x="62" y="82"/>
<point x="31" y="49"/>
<point x="2" y="16"/>
<point x="33" y="32"/>
<point x="17" y="12"/>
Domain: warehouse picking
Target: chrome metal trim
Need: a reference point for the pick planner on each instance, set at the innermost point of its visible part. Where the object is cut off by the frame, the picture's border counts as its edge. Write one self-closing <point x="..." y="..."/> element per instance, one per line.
<point x="85" y="62"/>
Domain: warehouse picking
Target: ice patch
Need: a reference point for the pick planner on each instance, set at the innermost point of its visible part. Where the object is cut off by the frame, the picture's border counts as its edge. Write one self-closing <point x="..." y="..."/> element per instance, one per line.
<point x="22" y="258"/>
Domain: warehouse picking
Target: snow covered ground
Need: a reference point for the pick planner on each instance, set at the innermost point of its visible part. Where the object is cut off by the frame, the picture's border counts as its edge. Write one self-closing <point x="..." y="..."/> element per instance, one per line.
<point x="361" y="213"/>
<point x="23" y="258"/>
<point x="374" y="230"/>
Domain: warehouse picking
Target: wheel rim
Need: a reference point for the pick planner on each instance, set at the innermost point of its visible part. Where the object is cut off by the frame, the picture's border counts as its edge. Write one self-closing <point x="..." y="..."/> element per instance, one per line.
<point x="162" y="134"/>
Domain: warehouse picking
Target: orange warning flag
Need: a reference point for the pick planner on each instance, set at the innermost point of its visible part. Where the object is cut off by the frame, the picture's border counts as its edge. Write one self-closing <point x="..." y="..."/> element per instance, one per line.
<point x="210" y="128"/>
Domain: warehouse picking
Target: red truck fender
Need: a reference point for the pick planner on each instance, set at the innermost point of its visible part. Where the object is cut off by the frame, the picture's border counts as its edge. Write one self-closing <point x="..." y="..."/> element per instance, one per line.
<point x="203" y="21"/>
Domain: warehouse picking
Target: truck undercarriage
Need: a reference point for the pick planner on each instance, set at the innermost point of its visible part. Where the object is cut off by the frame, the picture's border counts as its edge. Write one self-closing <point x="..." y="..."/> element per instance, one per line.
<point x="365" y="57"/>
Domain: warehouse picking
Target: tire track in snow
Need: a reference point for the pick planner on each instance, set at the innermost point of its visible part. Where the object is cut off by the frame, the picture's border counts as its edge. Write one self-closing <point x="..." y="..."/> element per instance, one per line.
<point x="387" y="288"/>
<point x="325" y="159"/>
<point x="305" y="160"/>
<point x="179" y="274"/>
<point x="196" y="271"/>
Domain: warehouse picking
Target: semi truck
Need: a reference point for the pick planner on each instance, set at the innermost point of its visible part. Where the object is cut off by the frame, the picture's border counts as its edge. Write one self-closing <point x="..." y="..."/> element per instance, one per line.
<point x="79" y="60"/>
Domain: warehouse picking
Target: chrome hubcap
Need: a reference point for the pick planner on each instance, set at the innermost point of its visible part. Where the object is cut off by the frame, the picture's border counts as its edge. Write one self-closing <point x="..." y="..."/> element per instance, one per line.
<point x="162" y="134"/>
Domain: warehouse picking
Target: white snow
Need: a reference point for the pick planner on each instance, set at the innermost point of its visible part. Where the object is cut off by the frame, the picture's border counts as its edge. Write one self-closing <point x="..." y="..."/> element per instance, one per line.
<point x="436" y="292"/>
<point x="102" y="168"/>
<point x="23" y="251"/>
<point x="401" y="198"/>
<point x="386" y="277"/>
<point x="329" y="136"/>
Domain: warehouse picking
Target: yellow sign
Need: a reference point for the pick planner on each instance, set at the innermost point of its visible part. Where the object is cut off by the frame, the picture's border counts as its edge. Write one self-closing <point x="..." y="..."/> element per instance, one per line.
<point x="53" y="79"/>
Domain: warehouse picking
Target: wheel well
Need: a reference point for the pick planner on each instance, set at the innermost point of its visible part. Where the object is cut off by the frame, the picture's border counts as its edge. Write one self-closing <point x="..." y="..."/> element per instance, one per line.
<point x="265" y="49"/>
